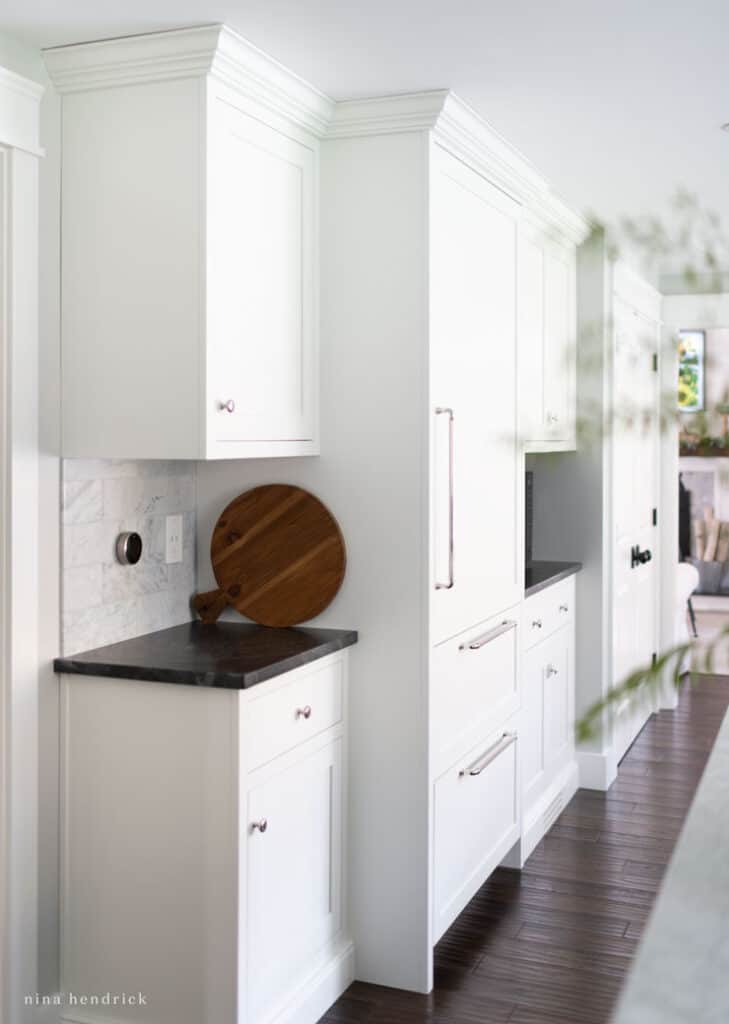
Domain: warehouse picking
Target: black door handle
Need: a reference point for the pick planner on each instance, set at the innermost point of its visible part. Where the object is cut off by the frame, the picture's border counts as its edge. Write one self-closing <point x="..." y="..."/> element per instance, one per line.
<point x="638" y="557"/>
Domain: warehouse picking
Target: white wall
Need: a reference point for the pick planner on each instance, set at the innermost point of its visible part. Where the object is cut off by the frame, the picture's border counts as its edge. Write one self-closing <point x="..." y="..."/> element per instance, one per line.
<point x="41" y="937"/>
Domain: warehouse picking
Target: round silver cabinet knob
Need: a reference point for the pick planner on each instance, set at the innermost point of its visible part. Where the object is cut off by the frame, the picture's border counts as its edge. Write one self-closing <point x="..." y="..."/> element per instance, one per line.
<point x="564" y="608"/>
<point x="552" y="671"/>
<point x="259" y="826"/>
<point x="228" y="406"/>
<point x="537" y="624"/>
<point x="304" y="712"/>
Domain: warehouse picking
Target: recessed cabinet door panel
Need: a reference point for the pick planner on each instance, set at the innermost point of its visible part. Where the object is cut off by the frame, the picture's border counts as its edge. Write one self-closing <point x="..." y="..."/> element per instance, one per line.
<point x="474" y="686"/>
<point x="532" y="730"/>
<point x="476" y="561"/>
<point x="557" y="723"/>
<point x="294" y="874"/>
<point x="531" y="336"/>
<point x="476" y="814"/>
<point x="559" y="344"/>
<point x="260" y="282"/>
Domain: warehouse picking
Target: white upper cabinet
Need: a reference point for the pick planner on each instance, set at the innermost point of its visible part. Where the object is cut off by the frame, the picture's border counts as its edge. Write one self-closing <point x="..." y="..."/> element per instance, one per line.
<point x="189" y="243"/>
<point x="547" y="314"/>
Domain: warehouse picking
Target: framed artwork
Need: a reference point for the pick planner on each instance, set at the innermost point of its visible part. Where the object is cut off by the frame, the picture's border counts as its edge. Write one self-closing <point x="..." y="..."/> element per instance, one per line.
<point x="691" y="347"/>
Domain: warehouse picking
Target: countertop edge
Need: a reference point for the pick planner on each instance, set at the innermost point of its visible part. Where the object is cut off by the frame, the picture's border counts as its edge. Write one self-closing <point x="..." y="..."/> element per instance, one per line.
<point x="568" y="570"/>
<point x="72" y="665"/>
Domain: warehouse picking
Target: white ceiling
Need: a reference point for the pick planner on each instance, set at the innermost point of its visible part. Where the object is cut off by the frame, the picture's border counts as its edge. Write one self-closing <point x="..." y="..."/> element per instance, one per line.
<point x="616" y="102"/>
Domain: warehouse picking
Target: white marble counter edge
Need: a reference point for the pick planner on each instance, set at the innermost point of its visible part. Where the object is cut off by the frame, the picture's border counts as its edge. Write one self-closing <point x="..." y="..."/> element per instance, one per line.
<point x="681" y="971"/>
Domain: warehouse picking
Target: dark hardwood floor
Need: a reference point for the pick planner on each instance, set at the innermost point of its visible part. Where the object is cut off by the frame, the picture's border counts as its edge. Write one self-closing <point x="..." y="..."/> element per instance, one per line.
<point x="551" y="944"/>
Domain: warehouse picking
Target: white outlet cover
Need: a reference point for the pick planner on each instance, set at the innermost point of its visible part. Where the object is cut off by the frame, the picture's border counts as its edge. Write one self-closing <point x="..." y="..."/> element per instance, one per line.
<point x="173" y="539"/>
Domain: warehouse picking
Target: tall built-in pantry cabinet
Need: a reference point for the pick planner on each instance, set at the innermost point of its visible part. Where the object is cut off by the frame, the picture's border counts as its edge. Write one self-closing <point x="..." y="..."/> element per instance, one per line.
<point x="423" y="208"/>
<point x="189" y="248"/>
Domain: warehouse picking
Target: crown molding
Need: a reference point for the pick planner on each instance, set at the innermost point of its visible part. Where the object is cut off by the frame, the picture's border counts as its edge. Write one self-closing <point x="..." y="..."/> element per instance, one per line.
<point x="210" y="50"/>
<point x="457" y="127"/>
<point x="217" y="52"/>
<point x="387" y="115"/>
<point x="19" y="112"/>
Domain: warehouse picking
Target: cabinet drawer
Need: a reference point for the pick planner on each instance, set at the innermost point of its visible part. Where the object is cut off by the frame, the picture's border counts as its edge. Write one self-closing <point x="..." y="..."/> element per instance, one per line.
<point x="548" y="611"/>
<point x="476" y="822"/>
<point x="293" y="713"/>
<point x="475" y="686"/>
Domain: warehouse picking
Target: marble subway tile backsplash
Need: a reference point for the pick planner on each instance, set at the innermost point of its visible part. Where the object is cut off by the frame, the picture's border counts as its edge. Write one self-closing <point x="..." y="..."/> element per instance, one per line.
<point x="102" y="601"/>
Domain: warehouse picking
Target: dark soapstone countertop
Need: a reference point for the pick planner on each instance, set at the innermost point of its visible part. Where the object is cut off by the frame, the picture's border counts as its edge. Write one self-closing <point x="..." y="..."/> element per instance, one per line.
<point x="231" y="655"/>
<point x="543" y="574"/>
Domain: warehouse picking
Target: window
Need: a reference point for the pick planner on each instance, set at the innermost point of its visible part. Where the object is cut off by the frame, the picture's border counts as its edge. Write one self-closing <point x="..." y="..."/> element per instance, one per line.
<point x="691" y="371"/>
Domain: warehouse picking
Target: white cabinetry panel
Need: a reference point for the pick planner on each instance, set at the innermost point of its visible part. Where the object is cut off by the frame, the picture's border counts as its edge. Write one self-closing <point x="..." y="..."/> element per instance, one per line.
<point x="548" y="766"/>
<point x="547" y="340"/>
<point x="475" y="686"/>
<point x="473" y="374"/>
<point x="294" y="870"/>
<point x="476" y="821"/>
<point x="189" y="249"/>
<point x="260" y="274"/>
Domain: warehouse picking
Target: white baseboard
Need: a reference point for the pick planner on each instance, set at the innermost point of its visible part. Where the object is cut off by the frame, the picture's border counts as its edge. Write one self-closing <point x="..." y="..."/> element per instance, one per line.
<point x="314" y="997"/>
<point x="597" y="771"/>
<point x="306" y="1005"/>
<point x="539" y="818"/>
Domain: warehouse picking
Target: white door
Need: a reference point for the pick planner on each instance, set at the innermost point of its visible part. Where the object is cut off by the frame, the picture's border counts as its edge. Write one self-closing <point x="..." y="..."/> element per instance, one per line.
<point x="476" y="487"/>
<point x="294" y="874"/>
<point x="260" y="281"/>
<point x="635" y="498"/>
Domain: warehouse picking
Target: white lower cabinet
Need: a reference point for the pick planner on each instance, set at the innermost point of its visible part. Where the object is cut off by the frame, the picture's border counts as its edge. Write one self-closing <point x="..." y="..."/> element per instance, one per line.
<point x="548" y="767"/>
<point x="474" y="760"/>
<point x="199" y="868"/>
<point x="294" y="873"/>
<point x="476" y="822"/>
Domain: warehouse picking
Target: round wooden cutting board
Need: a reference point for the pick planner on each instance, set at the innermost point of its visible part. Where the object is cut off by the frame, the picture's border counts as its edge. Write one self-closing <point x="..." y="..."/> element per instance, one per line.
<point x="278" y="556"/>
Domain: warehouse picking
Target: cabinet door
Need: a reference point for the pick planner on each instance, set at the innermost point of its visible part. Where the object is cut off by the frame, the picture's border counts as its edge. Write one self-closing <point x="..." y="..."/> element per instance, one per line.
<point x="547" y="718"/>
<point x="475" y="482"/>
<point x="475" y="823"/>
<point x="556" y="699"/>
<point x="294" y="871"/>
<point x="531" y="335"/>
<point x="532" y="728"/>
<point x="547" y="339"/>
<point x="559" y="343"/>
<point x="260" y="281"/>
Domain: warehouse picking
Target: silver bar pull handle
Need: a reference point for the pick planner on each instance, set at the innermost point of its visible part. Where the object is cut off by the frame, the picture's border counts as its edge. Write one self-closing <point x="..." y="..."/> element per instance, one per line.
<point x="490" y="755"/>
<point x="481" y="641"/>
<point x="445" y="411"/>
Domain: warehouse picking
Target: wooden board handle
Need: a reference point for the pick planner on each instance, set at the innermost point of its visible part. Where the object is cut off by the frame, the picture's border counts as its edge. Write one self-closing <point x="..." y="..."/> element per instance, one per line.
<point x="210" y="605"/>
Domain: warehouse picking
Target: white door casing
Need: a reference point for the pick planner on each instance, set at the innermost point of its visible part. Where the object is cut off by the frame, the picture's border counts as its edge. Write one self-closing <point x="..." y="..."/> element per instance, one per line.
<point x="19" y="153"/>
<point x="635" y="497"/>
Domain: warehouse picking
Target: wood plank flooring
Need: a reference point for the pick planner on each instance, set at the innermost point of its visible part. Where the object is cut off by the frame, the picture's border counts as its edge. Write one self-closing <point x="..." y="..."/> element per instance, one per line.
<point x="552" y="944"/>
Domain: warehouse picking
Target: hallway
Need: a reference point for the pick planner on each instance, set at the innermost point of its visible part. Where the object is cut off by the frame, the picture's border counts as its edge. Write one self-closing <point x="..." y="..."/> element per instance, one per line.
<point x="552" y="944"/>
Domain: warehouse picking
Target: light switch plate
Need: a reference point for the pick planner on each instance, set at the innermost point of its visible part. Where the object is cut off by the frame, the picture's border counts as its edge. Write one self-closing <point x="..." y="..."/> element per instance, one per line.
<point x="173" y="539"/>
